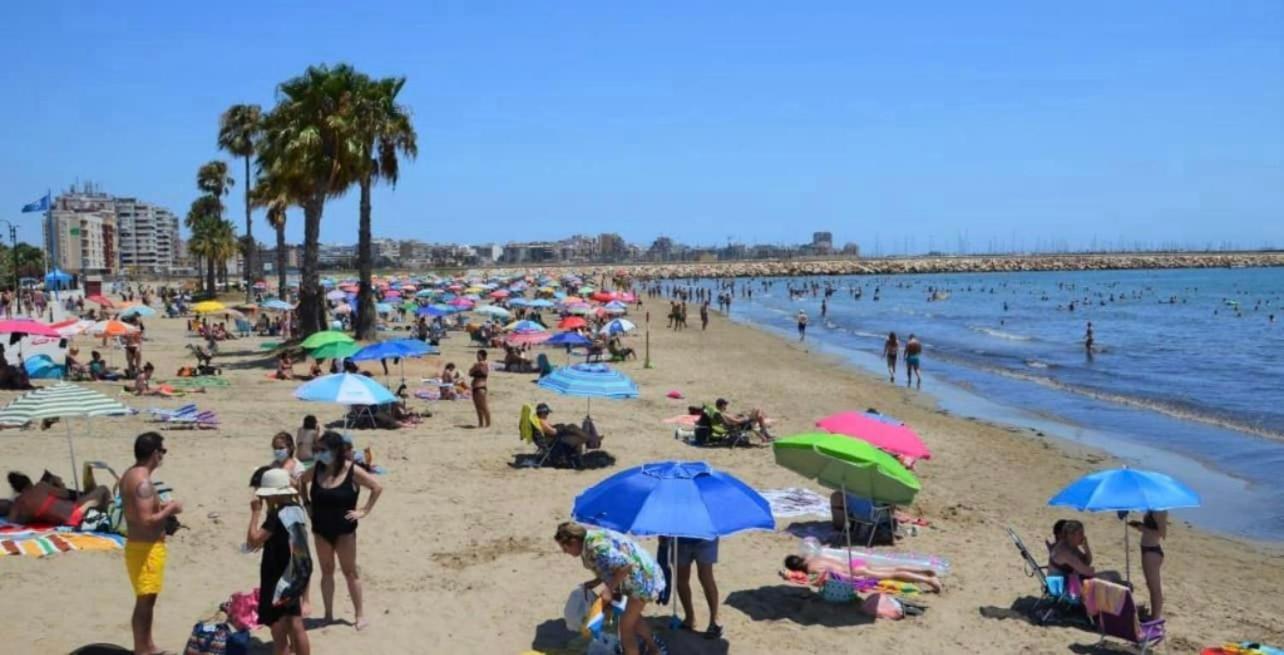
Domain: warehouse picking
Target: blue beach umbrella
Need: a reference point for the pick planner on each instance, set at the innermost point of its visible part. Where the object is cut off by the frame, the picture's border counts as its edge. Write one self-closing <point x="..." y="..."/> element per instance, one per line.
<point x="590" y="381"/>
<point x="396" y="349"/>
<point x="276" y="305"/>
<point x="1125" y="490"/>
<point x="674" y="499"/>
<point x="138" y="310"/>
<point x="525" y="326"/>
<point x="572" y="339"/>
<point x="345" y="389"/>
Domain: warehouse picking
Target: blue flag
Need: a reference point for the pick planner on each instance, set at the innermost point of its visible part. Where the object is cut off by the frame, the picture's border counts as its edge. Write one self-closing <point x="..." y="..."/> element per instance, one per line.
<point x="37" y="206"/>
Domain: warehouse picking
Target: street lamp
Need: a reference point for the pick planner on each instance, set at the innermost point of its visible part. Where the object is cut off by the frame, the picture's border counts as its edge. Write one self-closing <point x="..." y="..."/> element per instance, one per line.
<point x="13" y="247"/>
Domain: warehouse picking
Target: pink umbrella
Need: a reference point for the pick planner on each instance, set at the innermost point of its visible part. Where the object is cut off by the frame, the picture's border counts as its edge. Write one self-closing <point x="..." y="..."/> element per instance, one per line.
<point x="461" y="302"/>
<point x="499" y="293"/>
<point x="523" y="338"/>
<point x="27" y="326"/>
<point x="391" y="295"/>
<point x="880" y="431"/>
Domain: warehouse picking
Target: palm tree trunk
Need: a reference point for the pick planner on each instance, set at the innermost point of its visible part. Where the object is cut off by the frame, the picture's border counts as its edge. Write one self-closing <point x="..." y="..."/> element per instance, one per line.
<point x="211" y="285"/>
<point x="365" y="324"/>
<point x="249" y="235"/>
<point x="280" y="261"/>
<point x="311" y="302"/>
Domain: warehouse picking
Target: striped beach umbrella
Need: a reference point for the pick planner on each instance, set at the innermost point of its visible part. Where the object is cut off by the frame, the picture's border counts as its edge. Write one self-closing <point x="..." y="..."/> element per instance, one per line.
<point x="111" y="328"/>
<point x="590" y="381"/>
<point x="61" y="401"/>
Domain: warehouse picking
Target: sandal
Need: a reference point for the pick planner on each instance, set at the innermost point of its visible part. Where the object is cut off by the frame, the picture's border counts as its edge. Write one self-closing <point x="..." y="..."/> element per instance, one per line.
<point x="714" y="631"/>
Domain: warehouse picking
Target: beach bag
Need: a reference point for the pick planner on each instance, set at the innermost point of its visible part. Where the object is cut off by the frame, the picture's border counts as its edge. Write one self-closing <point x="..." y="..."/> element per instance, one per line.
<point x="836" y="590"/>
<point x="883" y="606"/>
<point x="209" y="638"/>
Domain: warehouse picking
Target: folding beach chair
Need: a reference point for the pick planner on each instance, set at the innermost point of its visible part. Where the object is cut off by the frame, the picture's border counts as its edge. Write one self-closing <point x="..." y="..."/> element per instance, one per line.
<point x="529" y="432"/>
<point x="1113" y="610"/>
<point x="160" y="415"/>
<point x="864" y="515"/>
<point x="206" y="420"/>
<point x="712" y="430"/>
<point x="1053" y="588"/>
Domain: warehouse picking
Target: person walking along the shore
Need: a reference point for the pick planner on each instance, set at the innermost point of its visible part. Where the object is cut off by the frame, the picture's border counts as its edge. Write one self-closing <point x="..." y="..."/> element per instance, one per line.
<point x="802" y="325"/>
<point x="332" y="488"/>
<point x="913" y="350"/>
<point x="145" y="518"/>
<point x="891" y="349"/>
<point x="480" y="374"/>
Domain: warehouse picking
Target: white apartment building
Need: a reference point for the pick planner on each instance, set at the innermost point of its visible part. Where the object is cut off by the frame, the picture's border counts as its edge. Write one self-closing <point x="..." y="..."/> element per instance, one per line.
<point x="148" y="236"/>
<point x="80" y="234"/>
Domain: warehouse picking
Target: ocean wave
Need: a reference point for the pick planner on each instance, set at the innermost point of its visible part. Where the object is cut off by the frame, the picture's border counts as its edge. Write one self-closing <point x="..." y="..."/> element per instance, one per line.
<point x="1000" y="334"/>
<point x="1034" y="363"/>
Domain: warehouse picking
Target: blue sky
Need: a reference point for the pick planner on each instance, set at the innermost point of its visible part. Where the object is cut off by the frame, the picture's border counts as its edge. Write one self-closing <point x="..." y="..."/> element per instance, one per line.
<point x="998" y="123"/>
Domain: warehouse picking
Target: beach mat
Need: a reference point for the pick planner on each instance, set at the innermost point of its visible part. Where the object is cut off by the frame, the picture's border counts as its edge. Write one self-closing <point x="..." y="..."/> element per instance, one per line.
<point x="45" y="540"/>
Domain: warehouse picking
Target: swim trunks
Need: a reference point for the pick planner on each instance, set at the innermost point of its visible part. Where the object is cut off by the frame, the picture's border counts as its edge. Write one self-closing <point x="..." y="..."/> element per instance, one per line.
<point x="912" y="360"/>
<point x="145" y="562"/>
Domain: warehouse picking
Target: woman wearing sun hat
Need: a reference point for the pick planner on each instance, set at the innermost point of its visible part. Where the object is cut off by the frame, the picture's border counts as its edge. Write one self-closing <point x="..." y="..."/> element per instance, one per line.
<point x="286" y="566"/>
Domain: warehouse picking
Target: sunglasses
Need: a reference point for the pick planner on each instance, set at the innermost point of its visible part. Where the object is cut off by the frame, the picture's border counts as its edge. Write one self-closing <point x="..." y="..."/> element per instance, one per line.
<point x="164" y="451"/>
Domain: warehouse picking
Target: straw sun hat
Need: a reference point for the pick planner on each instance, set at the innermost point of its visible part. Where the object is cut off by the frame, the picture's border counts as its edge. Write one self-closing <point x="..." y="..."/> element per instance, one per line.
<point x="275" y="482"/>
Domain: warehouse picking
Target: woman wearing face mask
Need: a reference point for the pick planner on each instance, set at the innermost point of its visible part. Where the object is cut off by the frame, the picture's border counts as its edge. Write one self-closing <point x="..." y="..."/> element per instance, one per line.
<point x="283" y="455"/>
<point x="332" y="488"/>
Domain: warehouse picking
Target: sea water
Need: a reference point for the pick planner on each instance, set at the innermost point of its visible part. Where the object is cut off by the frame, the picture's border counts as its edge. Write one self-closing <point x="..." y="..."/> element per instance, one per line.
<point x="1186" y="374"/>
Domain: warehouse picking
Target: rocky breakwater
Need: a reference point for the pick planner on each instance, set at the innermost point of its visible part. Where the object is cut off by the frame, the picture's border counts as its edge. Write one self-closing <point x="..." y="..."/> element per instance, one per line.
<point x="995" y="264"/>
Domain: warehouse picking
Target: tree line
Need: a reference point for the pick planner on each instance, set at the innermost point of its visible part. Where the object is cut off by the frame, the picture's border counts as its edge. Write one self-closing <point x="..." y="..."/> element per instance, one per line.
<point x="332" y="128"/>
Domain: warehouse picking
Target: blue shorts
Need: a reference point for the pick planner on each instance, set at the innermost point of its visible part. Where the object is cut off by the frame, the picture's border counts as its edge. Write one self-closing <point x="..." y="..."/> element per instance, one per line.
<point x="911" y="361"/>
<point x="701" y="551"/>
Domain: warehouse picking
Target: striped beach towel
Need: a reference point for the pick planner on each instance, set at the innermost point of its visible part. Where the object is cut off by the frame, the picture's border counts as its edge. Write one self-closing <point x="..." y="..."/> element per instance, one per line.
<point x="44" y="540"/>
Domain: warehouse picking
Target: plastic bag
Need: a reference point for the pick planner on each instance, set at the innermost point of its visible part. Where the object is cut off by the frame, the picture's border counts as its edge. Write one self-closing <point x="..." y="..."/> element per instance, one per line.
<point x="577" y="608"/>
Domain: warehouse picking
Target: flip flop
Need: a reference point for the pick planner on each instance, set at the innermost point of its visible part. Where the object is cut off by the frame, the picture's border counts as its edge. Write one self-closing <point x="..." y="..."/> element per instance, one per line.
<point x="714" y="631"/>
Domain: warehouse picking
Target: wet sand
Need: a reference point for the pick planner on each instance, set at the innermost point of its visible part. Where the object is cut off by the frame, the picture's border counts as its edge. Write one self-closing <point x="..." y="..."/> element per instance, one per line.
<point x="458" y="555"/>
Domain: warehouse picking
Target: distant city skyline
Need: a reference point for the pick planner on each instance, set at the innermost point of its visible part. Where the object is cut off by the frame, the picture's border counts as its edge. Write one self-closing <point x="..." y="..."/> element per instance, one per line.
<point x="1000" y="126"/>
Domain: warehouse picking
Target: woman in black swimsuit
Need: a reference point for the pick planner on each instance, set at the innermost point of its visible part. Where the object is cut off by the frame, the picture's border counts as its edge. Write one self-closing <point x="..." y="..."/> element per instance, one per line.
<point x="480" y="373"/>
<point x="1154" y="528"/>
<point x="332" y="487"/>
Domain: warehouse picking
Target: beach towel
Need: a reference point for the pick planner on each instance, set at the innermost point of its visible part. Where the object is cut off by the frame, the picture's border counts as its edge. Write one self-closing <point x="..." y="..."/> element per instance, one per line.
<point x="41" y="540"/>
<point x="793" y="502"/>
<point x="199" y="382"/>
<point x="1103" y="596"/>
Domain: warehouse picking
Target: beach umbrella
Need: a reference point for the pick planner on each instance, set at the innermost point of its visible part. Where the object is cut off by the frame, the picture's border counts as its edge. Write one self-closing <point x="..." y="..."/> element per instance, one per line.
<point x="435" y="310"/>
<point x="618" y="326"/>
<point x="71" y="327"/>
<point x="530" y="337"/>
<point x="111" y="328"/>
<point x="425" y="293"/>
<point x="493" y="310"/>
<point x="570" y="340"/>
<point x="208" y="307"/>
<point x="319" y="339"/>
<point x="579" y="310"/>
<point x="674" y="499"/>
<point x="335" y="350"/>
<point x="524" y="326"/>
<point x="462" y="303"/>
<point x="277" y="305"/>
<point x="345" y="389"/>
<point x="590" y="381"/>
<point x="500" y="293"/>
<point x="540" y="303"/>
<point x="345" y="308"/>
<point x="138" y="310"/>
<point x="27" y="326"/>
<point x="845" y="464"/>
<point x="1125" y="490"/>
<point x="890" y="435"/>
<point x="571" y="322"/>
<point x="61" y="401"/>
<point x="336" y="295"/>
<point x="383" y="308"/>
<point x="396" y="349"/>
<point x="99" y="299"/>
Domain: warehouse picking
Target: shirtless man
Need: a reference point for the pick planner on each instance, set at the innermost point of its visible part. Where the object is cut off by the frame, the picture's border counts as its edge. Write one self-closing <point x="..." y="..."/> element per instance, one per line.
<point x="913" y="350"/>
<point x="49" y="501"/>
<point x="145" y="516"/>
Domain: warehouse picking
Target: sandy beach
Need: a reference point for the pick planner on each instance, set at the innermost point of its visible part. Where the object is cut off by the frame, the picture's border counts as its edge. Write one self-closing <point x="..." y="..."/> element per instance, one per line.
<point x="458" y="556"/>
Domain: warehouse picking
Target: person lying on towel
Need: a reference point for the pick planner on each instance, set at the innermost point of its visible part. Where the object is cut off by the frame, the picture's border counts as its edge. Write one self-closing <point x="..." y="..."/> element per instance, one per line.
<point x="820" y="567"/>
<point x="50" y="501"/>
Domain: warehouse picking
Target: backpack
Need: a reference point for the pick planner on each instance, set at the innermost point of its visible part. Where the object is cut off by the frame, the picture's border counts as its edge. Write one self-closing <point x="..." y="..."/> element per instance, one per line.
<point x="210" y="638"/>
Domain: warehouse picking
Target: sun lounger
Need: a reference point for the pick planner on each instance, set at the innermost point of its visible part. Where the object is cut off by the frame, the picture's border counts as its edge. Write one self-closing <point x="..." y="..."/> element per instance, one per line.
<point x="1113" y="610"/>
<point x="159" y="414"/>
<point x="206" y="420"/>
<point x="1055" y="596"/>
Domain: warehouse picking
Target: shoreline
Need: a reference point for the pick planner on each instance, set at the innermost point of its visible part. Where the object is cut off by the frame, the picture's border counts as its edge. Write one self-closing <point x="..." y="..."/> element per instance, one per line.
<point x="459" y="549"/>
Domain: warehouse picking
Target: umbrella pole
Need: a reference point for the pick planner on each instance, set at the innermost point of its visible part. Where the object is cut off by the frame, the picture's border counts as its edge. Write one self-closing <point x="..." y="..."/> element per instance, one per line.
<point x="847" y="532"/>
<point x="1127" y="553"/>
<point x="71" y="447"/>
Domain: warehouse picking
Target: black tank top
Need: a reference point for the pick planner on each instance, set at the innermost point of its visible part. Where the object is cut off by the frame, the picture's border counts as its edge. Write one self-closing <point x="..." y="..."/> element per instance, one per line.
<point x="330" y="506"/>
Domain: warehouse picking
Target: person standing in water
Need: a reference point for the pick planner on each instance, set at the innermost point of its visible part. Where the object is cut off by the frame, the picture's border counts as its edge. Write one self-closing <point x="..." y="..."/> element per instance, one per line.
<point x="891" y="348"/>
<point x="802" y="325"/>
<point x="913" y="350"/>
<point x="1088" y="341"/>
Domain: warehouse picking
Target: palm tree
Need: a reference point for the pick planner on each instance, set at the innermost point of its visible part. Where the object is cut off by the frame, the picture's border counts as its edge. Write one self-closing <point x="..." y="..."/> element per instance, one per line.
<point x="200" y="216"/>
<point x="267" y="194"/>
<point x="380" y="129"/>
<point x="304" y="151"/>
<point x="213" y="180"/>
<point x="238" y="129"/>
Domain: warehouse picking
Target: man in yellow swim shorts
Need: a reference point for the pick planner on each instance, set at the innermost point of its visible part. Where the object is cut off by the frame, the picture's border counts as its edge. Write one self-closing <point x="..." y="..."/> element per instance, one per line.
<point x="145" y="517"/>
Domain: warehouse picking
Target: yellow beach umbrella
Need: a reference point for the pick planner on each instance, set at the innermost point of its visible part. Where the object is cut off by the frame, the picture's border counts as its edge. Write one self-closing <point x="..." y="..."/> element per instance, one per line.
<point x="208" y="307"/>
